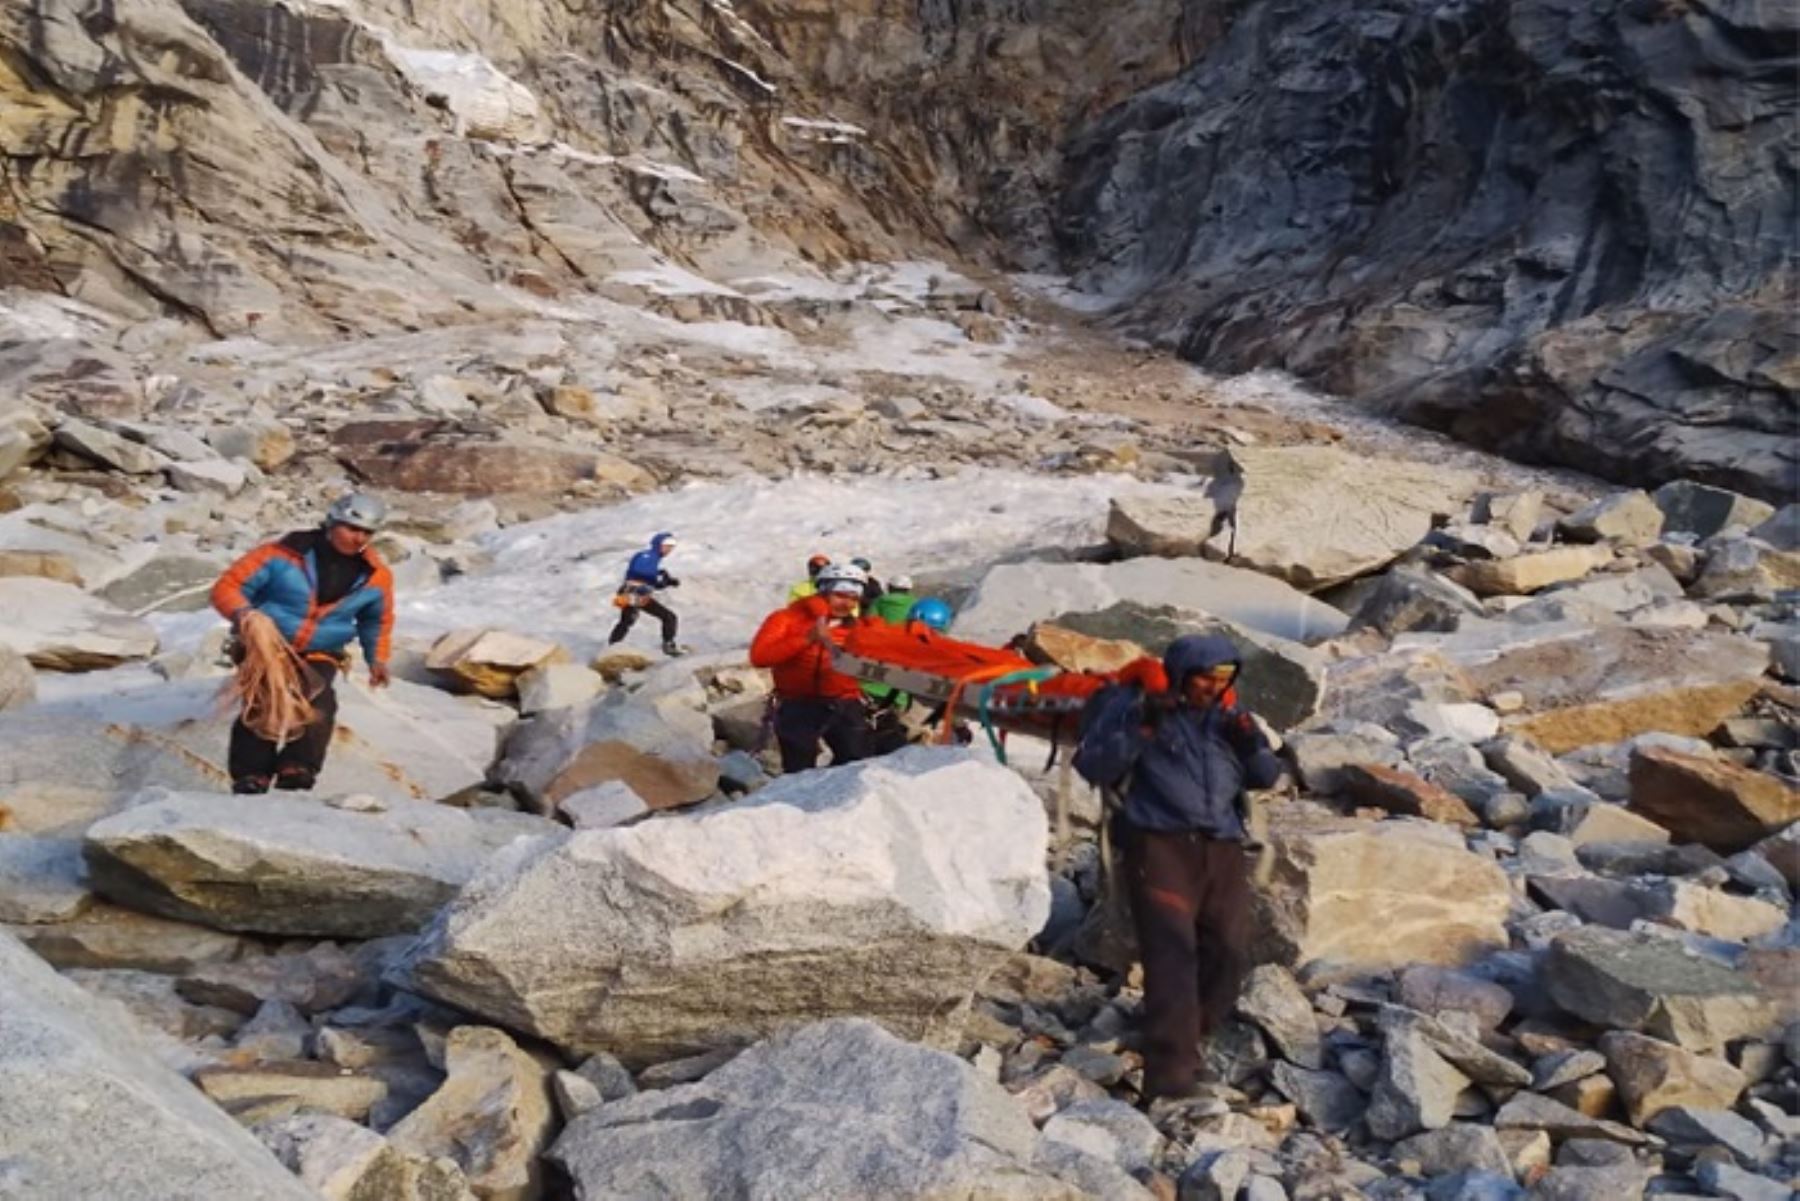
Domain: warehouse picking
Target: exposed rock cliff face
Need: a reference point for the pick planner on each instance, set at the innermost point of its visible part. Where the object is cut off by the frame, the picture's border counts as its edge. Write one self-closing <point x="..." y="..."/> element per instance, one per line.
<point x="1556" y="227"/>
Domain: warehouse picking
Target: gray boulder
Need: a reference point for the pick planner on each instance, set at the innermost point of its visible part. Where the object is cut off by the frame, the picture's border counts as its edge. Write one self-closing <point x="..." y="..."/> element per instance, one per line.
<point x="890" y="888"/>
<point x="1701" y="510"/>
<point x="405" y="742"/>
<point x="1412" y="598"/>
<point x="41" y="879"/>
<point x="840" y="1108"/>
<point x="1013" y="596"/>
<point x="1171" y="526"/>
<point x="662" y="750"/>
<point x="85" y="1111"/>
<point x="1645" y="982"/>
<point x="1282" y="681"/>
<point x="58" y="627"/>
<point x="294" y="864"/>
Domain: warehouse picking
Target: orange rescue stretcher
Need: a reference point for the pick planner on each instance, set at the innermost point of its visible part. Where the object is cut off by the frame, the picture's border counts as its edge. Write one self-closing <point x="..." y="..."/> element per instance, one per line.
<point x="1000" y="688"/>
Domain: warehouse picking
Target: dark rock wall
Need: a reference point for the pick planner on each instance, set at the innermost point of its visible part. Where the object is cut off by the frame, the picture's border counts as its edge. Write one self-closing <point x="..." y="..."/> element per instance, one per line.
<point x="1561" y="228"/>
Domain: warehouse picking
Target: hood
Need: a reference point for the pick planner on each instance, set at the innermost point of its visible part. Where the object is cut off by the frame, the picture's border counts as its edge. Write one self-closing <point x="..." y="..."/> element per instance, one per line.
<point x="656" y="543"/>
<point x="1198" y="652"/>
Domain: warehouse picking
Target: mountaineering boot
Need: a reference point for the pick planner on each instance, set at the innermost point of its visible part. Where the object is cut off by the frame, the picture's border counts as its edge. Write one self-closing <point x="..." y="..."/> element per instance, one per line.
<point x="250" y="785"/>
<point x="673" y="650"/>
<point x="295" y="779"/>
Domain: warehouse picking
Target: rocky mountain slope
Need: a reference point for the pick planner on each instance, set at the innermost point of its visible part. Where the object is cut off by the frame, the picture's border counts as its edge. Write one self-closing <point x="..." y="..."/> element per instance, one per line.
<point x="1559" y="230"/>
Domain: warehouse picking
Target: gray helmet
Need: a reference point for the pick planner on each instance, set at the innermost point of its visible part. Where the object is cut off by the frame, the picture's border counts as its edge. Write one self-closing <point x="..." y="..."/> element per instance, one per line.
<point x="359" y="509"/>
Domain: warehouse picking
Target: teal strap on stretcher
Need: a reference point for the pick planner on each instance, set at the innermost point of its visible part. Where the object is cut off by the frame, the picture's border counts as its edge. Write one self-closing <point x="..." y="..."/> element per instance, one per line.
<point x="1030" y="675"/>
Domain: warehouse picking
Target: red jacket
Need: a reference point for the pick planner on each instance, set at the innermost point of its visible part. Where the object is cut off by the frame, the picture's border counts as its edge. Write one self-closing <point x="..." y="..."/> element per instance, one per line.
<point x="802" y="668"/>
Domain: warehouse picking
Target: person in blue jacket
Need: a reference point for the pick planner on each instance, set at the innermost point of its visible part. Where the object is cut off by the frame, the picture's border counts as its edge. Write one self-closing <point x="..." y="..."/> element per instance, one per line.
<point x="1180" y="761"/>
<point x="322" y="588"/>
<point x="645" y="576"/>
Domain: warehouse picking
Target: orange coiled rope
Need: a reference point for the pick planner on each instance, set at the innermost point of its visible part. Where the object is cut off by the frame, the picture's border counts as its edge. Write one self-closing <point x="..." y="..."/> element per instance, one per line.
<point x="273" y="685"/>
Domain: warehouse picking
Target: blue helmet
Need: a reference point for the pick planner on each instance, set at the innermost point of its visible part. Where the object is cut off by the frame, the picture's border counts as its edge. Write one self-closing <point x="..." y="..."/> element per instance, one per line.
<point x="933" y="612"/>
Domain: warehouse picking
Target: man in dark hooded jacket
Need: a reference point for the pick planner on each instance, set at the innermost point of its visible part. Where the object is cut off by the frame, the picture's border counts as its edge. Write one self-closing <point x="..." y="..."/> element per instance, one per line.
<point x="1182" y="760"/>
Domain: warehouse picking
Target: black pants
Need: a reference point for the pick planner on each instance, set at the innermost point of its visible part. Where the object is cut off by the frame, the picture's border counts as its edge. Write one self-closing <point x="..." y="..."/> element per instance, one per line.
<point x="628" y="618"/>
<point x="1190" y="904"/>
<point x="255" y="763"/>
<point x="801" y="724"/>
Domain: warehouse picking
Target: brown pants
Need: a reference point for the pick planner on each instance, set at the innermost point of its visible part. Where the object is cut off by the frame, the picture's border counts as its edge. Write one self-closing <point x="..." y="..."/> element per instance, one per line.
<point x="1190" y="903"/>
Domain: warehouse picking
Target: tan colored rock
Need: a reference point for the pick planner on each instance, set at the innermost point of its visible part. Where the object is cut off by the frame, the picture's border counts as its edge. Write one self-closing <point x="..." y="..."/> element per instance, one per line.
<point x="1317" y="515"/>
<point x="1585" y="686"/>
<point x="46" y="565"/>
<point x="18" y="683"/>
<point x="493" y="1115"/>
<point x="1528" y="573"/>
<point x="488" y="661"/>
<point x="614" y="662"/>
<point x="1690" y="906"/>
<point x="347" y="1162"/>
<point x="1073" y="651"/>
<point x="1171" y="526"/>
<point x="1653" y="1076"/>
<point x="1379" y="894"/>
<point x="315" y="1086"/>
<point x="1710" y="801"/>
<point x="1591" y="1096"/>
<point x="1628" y="518"/>
<point x="1404" y="793"/>
<point x="1515" y="512"/>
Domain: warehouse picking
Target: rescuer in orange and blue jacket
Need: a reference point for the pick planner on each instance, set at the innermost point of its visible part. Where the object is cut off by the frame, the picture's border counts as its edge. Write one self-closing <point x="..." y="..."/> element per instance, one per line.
<point x="321" y="588"/>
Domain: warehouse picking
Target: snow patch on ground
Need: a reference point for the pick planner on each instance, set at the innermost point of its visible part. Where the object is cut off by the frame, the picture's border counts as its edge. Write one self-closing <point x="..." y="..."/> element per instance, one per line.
<point x="743" y="544"/>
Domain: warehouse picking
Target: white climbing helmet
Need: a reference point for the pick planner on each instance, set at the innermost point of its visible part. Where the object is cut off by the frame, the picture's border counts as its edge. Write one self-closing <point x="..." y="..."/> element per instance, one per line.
<point x="357" y="509"/>
<point x="847" y="578"/>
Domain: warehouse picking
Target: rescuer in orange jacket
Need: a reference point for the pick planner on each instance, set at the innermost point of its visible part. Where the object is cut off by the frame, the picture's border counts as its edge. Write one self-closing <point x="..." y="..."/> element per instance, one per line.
<point x="815" y="702"/>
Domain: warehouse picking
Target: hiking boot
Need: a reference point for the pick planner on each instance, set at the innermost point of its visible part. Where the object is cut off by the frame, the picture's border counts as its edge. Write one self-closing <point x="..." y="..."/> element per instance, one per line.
<point x="673" y="650"/>
<point x="250" y="785"/>
<point x="295" y="779"/>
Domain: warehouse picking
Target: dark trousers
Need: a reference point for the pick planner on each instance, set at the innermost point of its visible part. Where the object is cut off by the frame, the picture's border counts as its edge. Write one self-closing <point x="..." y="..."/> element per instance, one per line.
<point x="1190" y="903"/>
<point x="628" y="618"/>
<point x="255" y="763"/>
<point x="802" y="723"/>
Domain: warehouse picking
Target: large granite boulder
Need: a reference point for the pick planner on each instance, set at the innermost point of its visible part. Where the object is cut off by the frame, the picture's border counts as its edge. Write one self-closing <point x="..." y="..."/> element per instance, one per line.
<point x="840" y="1108"/>
<point x="1013" y="596"/>
<point x="1580" y="685"/>
<point x="404" y="742"/>
<point x="294" y="864"/>
<point x="1377" y="894"/>
<point x="58" y="627"/>
<point x="1317" y="515"/>
<point x="889" y="888"/>
<point x="87" y="1111"/>
<point x="1281" y="681"/>
<point x="1626" y="981"/>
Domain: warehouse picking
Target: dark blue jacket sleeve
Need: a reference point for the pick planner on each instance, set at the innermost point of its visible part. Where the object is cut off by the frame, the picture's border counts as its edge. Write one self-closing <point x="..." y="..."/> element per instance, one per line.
<point x="1110" y="747"/>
